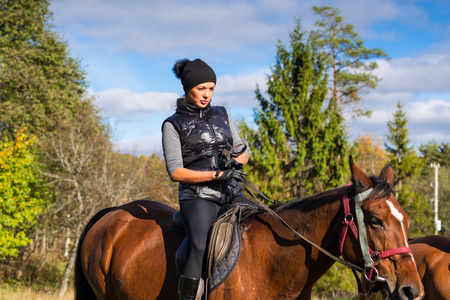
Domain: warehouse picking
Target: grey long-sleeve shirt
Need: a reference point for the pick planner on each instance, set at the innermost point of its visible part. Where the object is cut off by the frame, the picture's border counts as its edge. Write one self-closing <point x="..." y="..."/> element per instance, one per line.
<point x="172" y="145"/>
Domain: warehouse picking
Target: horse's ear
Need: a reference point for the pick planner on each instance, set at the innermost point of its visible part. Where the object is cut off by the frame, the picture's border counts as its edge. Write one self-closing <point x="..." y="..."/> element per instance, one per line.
<point x="387" y="174"/>
<point x="359" y="178"/>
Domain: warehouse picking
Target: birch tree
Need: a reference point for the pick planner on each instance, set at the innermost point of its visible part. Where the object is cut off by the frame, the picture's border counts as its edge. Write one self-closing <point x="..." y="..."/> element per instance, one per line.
<point x="86" y="175"/>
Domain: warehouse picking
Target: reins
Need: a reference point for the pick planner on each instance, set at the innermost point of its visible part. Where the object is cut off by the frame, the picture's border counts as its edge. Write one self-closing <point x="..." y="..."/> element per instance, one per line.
<point x="371" y="258"/>
<point x="276" y="216"/>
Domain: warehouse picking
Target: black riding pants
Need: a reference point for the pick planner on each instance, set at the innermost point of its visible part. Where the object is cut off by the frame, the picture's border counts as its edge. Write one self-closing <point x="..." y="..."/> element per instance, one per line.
<point x="198" y="216"/>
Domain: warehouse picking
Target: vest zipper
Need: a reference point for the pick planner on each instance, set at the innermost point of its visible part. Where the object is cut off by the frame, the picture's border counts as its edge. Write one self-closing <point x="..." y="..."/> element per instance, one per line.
<point x="214" y="158"/>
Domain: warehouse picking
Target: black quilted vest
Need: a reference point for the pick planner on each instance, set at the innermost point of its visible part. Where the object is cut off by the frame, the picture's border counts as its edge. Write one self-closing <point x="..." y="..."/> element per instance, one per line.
<point x="204" y="133"/>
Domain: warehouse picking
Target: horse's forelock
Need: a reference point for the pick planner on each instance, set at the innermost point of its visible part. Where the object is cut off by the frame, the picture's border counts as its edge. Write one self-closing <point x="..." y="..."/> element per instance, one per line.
<point x="380" y="187"/>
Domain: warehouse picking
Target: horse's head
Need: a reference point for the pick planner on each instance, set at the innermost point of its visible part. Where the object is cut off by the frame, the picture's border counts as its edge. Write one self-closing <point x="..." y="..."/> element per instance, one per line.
<point x="386" y="224"/>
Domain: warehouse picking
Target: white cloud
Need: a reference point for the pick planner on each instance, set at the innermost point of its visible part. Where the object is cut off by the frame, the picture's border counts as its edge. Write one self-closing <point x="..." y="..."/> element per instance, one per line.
<point x="429" y="72"/>
<point x="151" y="27"/>
<point x="428" y="136"/>
<point x="138" y="146"/>
<point x="124" y="105"/>
<point x="243" y="33"/>
<point x="435" y="111"/>
<point x="427" y="120"/>
<point x="239" y="91"/>
<point x="389" y="98"/>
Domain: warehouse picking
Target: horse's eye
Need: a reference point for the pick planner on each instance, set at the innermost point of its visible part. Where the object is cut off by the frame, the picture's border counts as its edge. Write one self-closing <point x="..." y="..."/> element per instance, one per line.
<point x="376" y="222"/>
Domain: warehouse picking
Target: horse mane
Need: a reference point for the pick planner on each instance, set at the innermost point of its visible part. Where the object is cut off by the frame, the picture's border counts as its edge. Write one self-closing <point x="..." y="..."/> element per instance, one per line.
<point x="381" y="189"/>
<point x="307" y="203"/>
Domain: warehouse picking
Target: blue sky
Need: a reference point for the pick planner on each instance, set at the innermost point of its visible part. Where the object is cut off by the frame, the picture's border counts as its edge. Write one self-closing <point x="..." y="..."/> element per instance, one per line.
<point x="128" y="48"/>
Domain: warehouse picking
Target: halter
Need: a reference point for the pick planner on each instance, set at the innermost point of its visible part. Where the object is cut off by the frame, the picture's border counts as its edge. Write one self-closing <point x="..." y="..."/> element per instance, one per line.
<point x="371" y="258"/>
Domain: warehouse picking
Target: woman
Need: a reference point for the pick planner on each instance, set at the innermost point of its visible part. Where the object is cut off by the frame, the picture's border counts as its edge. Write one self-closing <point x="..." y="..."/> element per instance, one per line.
<point x="194" y="140"/>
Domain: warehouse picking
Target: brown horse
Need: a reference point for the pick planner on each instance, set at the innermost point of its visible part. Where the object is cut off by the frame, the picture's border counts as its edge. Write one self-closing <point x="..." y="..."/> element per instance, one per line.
<point x="432" y="255"/>
<point x="128" y="252"/>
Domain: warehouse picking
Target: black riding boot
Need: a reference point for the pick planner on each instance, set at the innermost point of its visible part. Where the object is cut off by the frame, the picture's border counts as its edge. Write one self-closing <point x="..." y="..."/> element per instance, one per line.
<point x="188" y="288"/>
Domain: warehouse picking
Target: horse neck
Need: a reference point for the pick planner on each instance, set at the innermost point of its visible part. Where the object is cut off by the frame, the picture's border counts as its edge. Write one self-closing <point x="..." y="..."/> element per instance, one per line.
<point x="318" y="218"/>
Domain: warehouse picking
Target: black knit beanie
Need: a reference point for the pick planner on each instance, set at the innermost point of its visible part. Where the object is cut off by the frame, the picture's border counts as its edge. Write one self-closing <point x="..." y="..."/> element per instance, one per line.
<point x="193" y="73"/>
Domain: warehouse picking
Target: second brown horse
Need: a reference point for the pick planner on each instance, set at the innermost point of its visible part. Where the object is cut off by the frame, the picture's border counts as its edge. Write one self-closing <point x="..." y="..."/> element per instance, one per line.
<point x="432" y="255"/>
<point x="128" y="252"/>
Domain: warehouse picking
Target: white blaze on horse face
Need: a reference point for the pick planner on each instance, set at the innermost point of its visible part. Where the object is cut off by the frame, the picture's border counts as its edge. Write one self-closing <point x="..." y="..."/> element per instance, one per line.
<point x="399" y="216"/>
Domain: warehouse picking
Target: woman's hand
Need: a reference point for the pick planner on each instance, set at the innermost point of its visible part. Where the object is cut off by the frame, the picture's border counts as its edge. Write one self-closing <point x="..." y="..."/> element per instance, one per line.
<point x="233" y="164"/>
<point x="232" y="173"/>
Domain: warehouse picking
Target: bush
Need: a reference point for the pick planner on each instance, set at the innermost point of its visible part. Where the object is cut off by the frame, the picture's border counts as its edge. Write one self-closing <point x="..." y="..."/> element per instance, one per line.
<point x="40" y="273"/>
<point x="337" y="283"/>
<point x="20" y="201"/>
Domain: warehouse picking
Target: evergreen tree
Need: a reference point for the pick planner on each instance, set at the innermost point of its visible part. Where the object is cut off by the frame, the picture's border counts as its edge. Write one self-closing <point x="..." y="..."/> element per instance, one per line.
<point x="350" y="62"/>
<point x="401" y="155"/>
<point x="407" y="165"/>
<point x="299" y="146"/>
<point x="39" y="81"/>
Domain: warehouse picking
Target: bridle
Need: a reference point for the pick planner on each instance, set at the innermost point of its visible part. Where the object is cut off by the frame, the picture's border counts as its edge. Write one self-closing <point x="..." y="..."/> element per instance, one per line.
<point x="371" y="258"/>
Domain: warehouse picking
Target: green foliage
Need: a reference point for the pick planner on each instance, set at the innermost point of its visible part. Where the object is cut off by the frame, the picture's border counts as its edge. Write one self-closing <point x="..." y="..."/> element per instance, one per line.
<point x="404" y="159"/>
<point x="299" y="146"/>
<point x="424" y="184"/>
<point x="39" y="81"/>
<point x="407" y="167"/>
<point x="153" y="180"/>
<point x="417" y="206"/>
<point x="350" y="62"/>
<point x="20" y="202"/>
<point x="44" y="89"/>
<point x="41" y="272"/>
<point x="337" y="276"/>
<point x="436" y="153"/>
<point x="444" y="202"/>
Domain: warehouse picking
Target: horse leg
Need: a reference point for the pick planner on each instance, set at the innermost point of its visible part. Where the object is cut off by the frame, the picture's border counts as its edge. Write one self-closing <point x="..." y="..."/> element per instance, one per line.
<point x="83" y="289"/>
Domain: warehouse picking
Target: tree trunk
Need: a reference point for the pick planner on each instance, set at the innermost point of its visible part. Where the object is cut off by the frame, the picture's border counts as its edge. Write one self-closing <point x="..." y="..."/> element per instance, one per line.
<point x="69" y="267"/>
<point x="67" y="248"/>
<point x="44" y="240"/>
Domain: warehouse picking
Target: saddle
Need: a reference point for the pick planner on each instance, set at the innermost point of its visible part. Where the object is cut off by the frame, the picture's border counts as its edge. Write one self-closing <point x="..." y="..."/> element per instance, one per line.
<point x="223" y="249"/>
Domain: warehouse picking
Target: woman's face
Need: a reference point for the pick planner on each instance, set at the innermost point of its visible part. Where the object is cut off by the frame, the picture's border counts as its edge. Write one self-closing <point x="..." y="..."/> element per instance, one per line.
<point x="201" y="94"/>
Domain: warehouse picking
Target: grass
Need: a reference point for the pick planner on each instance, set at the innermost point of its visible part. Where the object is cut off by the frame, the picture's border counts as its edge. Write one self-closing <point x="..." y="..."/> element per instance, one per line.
<point x="8" y="292"/>
<point x="17" y="292"/>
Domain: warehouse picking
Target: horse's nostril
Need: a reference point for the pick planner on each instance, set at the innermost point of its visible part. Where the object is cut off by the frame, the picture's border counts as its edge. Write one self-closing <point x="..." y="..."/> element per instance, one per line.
<point x="407" y="293"/>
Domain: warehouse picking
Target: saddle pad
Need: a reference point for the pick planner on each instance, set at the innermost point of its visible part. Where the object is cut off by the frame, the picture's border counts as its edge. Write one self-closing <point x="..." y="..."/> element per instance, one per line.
<point x="221" y="237"/>
<point x="221" y="272"/>
<point x="222" y="253"/>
